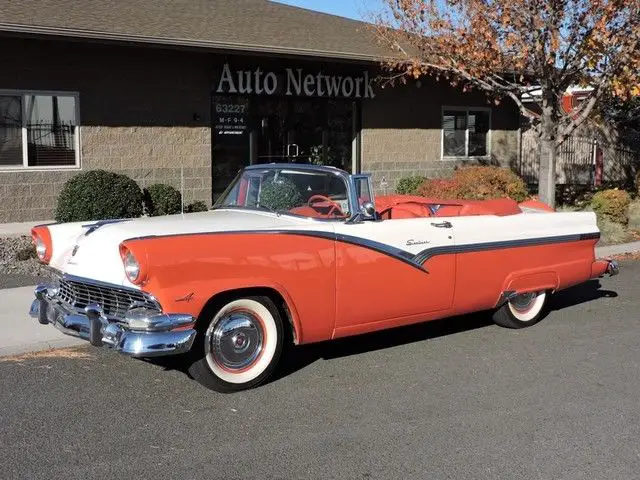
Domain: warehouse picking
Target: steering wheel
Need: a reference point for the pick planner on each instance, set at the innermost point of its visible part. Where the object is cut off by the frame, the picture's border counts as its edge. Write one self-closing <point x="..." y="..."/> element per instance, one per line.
<point x="335" y="207"/>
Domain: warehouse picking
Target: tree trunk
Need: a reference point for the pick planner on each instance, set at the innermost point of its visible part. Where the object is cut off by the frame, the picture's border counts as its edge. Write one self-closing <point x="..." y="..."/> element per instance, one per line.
<point x="548" y="150"/>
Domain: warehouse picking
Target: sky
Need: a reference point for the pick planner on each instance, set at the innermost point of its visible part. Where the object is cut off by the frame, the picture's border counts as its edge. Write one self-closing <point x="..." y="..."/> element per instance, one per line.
<point x="346" y="8"/>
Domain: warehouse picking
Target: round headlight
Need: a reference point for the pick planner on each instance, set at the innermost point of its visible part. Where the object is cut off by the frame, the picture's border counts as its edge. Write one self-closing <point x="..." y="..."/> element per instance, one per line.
<point x="41" y="248"/>
<point x="131" y="266"/>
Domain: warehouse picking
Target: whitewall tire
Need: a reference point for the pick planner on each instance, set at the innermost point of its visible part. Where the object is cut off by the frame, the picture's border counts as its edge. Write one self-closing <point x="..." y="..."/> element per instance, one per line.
<point x="240" y="346"/>
<point x="522" y="310"/>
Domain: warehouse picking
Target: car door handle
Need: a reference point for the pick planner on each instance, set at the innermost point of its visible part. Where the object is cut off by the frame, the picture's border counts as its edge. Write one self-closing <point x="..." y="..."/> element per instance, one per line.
<point x="442" y="225"/>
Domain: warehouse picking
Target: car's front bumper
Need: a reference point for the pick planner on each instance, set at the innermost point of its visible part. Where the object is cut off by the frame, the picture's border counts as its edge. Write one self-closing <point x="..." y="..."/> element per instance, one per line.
<point x="141" y="335"/>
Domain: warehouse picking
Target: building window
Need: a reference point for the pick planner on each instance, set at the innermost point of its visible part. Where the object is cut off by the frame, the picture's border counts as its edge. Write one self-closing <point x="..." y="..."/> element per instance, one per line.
<point x="465" y="132"/>
<point x="38" y="130"/>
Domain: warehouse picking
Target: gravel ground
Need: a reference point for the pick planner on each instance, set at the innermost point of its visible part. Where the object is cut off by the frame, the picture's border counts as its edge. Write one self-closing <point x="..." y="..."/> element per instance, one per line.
<point x="15" y="272"/>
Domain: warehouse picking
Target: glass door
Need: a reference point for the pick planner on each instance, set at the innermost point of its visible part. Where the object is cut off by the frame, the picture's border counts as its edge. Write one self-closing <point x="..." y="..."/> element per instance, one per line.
<point x="271" y="132"/>
<point x="307" y="132"/>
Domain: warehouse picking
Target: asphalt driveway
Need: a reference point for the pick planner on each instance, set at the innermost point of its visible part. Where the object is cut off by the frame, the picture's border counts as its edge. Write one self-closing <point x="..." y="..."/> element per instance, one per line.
<point x="460" y="398"/>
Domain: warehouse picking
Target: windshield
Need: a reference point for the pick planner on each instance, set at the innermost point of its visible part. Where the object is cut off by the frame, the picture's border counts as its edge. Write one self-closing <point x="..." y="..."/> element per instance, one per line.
<point x="310" y="193"/>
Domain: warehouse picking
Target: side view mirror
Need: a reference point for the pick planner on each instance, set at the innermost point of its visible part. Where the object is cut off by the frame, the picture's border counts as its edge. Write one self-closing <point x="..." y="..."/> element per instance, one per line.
<point x="368" y="209"/>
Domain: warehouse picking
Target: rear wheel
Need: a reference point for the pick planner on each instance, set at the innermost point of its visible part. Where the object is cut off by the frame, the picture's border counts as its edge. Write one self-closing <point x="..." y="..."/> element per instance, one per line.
<point x="240" y="346"/>
<point x="522" y="310"/>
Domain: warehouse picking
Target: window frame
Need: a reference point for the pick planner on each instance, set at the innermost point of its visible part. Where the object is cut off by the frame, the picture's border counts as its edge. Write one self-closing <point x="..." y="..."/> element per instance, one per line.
<point x="25" y="147"/>
<point x="466" y="156"/>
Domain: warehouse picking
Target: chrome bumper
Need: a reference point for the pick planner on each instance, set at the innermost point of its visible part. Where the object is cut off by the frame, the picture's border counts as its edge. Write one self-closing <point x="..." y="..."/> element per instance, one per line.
<point x="612" y="268"/>
<point x="140" y="334"/>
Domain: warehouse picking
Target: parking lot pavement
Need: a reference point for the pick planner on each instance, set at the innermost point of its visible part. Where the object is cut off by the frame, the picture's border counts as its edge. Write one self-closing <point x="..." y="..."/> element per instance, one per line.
<point x="460" y="398"/>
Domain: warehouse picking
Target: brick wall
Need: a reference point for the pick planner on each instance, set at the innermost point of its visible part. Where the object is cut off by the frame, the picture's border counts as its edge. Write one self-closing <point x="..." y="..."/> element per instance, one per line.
<point x="143" y="112"/>
<point x="401" y="133"/>
<point x="153" y="155"/>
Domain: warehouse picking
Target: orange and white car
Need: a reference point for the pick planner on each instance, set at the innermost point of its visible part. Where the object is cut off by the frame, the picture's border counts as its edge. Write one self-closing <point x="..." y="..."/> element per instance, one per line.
<point x="303" y="253"/>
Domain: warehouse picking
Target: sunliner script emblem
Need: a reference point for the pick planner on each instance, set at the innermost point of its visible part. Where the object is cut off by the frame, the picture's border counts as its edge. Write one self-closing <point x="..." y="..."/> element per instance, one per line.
<point x="411" y="241"/>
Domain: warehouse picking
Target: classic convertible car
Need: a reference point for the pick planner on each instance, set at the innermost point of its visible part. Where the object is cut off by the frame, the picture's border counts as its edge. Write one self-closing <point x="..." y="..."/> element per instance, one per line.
<point x="303" y="253"/>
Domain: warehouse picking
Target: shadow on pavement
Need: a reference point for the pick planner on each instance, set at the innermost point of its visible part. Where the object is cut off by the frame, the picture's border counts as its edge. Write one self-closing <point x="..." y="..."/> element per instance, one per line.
<point x="298" y="357"/>
<point x="578" y="294"/>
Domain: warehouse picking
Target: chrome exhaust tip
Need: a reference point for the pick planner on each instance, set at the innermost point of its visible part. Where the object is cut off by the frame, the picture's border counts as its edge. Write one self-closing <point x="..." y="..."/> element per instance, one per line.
<point x="613" y="268"/>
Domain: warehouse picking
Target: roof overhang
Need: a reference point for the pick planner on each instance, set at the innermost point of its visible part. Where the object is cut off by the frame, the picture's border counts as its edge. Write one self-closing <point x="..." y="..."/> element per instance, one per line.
<point x="181" y="42"/>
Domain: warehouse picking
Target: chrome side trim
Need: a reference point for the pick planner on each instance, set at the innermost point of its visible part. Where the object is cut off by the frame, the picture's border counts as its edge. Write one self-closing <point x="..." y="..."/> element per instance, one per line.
<point x="426" y="254"/>
<point x="414" y="260"/>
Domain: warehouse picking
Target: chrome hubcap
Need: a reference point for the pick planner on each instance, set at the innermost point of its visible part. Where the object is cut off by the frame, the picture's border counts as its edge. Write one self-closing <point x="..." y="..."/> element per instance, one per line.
<point x="524" y="301"/>
<point x="236" y="340"/>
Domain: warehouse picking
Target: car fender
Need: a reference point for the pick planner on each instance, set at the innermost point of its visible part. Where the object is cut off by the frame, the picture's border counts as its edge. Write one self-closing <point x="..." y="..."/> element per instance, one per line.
<point x="524" y="282"/>
<point x="193" y="297"/>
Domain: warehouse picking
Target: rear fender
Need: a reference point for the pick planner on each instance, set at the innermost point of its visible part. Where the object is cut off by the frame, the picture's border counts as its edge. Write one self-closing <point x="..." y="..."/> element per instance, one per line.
<point x="521" y="282"/>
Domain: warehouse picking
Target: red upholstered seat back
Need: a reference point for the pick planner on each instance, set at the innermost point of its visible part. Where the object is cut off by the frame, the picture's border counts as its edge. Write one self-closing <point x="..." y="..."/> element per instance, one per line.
<point x="411" y="206"/>
<point x="448" y="211"/>
<point x="497" y="206"/>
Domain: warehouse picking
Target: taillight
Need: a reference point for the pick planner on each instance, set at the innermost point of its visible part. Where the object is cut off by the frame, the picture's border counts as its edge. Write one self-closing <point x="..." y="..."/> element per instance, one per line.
<point x="41" y="237"/>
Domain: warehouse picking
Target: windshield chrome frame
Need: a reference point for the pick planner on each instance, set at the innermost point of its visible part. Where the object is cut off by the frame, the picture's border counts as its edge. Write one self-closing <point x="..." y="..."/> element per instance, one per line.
<point x="354" y="207"/>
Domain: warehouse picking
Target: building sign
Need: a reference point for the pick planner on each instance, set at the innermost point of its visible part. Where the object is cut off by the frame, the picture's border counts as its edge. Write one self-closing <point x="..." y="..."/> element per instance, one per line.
<point x="294" y="82"/>
<point x="231" y="115"/>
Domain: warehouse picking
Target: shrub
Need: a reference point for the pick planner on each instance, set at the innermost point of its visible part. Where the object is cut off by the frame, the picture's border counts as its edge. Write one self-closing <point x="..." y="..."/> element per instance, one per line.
<point x="612" y="232"/>
<point x="409" y="185"/>
<point x="612" y="204"/>
<point x="477" y="183"/>
<point x="98" y="195"/>
<point x="634" y="215"/>
<point x="160" y="199"/>
<point x="26" y="253"/>
<point x="280" y="195"/>
<point x="574" y="195"/>
<point x="197" y="206"/>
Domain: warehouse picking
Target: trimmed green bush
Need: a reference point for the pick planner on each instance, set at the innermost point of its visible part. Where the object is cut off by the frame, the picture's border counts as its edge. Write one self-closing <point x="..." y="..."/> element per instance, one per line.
<point x="197" y="206"/>
<point x="280" y="195"/>
<point x="161" y="199"/>
<point x="612" y="204"/>
<point x="409" y="185"/>
<point x="98" y="195"/>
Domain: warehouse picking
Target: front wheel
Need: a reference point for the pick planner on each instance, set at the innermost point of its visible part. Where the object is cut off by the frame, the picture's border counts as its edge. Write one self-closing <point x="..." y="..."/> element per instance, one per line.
<point x="240" y="347"/>
<point x="521" y="311"/>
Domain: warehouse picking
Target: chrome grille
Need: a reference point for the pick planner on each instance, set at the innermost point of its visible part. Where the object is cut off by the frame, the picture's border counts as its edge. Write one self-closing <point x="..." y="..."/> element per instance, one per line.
<point x="114" y="301"/>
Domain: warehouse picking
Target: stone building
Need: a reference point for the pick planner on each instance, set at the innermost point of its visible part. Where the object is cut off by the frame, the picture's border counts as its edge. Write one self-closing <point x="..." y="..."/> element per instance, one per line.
<point x="187" y="92"/>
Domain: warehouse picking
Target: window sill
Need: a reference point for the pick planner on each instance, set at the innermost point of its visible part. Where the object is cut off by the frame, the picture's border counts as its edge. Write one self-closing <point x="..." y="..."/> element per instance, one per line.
<point x="456" y="159"/>
<point x="21" y="168"/>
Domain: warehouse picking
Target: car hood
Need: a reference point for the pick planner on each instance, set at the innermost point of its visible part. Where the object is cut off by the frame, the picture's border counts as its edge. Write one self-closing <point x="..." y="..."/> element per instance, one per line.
<point x="92" y="250"/>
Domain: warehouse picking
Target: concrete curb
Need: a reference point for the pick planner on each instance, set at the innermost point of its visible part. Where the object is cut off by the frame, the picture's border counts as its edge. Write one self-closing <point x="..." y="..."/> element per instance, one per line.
<point x="609" y="250"/>
<point x="32" y="347"/>
<point x="11" y="230"/>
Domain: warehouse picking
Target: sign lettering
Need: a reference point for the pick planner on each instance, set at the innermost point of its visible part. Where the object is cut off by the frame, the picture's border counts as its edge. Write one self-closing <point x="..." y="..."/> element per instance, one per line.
<point x="294" y="82"/>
